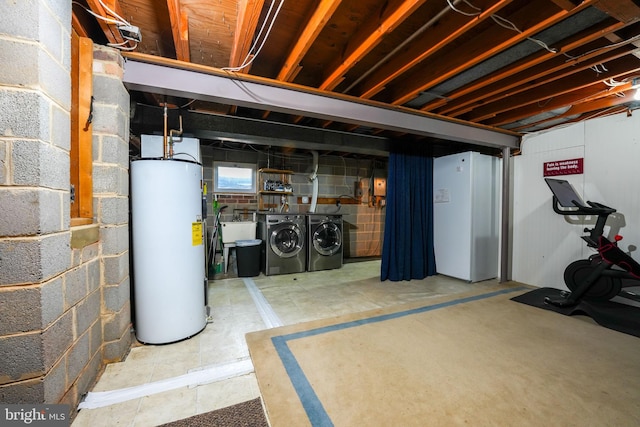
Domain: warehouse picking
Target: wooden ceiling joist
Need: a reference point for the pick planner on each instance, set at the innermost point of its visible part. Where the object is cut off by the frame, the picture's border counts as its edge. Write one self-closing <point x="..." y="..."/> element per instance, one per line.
<point x="179" y="30"/>
<point x="539" y="76"/>
<point x="571" y="91"/>
<point x="478" y="51"/>
<point x="77" y="26"/>
<point x="368" y="38"/>
<point x="626" y="11"/>
<point x="317" y="22"/>
<point x="418" y="53"/>
<point x="614" y="98"/>
<point x="564" y="4"/>
<point x="110" y="30"/>
<point x="246" y="24"/>
<point x="493" y="83"/>
<point x="549" y="92"/>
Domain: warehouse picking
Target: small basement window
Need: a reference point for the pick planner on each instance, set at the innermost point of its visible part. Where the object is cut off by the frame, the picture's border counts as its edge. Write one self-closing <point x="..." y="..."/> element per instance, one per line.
<point x="229" y="177"/>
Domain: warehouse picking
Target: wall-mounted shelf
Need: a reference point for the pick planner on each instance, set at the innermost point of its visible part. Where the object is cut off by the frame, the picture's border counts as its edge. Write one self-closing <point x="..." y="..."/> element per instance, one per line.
<point x="273" y="182"/>
<point x="334" y="200"/>
<point x="275" y="193"/>
<point x="275" y="171"/>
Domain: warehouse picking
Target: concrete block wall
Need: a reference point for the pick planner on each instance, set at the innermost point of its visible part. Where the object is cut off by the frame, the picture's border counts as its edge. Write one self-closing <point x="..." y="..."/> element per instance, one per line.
<point x="58" y="301"/>
<point x="111" y="198"/>
<point x="363" y="224"/>
<point x="37" y="336"/>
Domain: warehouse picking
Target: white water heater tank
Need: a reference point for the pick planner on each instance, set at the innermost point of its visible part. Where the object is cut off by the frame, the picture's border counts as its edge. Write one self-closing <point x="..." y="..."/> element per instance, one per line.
<point x="169" y="276"/>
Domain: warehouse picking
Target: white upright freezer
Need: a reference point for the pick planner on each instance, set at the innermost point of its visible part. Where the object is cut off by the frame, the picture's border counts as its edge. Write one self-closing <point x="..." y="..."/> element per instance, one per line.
<point x="466" y="213"/>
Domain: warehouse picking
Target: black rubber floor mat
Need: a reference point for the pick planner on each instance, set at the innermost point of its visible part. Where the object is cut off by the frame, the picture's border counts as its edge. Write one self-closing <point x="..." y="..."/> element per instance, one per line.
<point x="619" y="317"/>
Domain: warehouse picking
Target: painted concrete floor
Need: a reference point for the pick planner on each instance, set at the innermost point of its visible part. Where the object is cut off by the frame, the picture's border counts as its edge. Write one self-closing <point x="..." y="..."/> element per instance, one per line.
<point x="293" y="298"/>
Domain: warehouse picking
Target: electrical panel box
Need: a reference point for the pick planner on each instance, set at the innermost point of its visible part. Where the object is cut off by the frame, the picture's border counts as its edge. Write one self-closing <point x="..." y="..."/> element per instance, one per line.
<point x="379" y="186"/>
<point x="379" y="183"/>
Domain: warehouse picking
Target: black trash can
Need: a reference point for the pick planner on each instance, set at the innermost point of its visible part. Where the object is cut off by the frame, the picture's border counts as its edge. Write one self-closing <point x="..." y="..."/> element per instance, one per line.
<point x="248" y="257"/>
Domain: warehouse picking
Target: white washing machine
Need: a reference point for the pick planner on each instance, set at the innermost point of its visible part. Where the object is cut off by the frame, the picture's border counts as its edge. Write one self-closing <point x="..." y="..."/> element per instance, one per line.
<point x="283" y="243"/>
<point x="324" y="241"/>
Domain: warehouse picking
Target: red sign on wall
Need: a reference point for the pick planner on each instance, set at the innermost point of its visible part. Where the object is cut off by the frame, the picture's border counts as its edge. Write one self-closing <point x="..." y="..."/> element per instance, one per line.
<point x="563" y="167"/>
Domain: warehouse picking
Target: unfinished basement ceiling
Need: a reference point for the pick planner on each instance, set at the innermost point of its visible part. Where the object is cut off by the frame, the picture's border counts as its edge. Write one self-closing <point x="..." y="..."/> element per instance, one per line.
<point x="513" y="65"/>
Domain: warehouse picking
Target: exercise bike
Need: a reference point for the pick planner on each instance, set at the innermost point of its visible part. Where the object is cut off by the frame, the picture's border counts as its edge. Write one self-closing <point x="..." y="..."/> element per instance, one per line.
<point x="602" y="276"/>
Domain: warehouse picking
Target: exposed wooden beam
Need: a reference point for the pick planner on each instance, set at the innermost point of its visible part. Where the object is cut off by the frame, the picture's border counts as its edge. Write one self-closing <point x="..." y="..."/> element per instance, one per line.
<point x="369" y="37"/>
<point x="110" y="30"/>
<point x="493" y="83"/>
<point x="550" y="91"/>
<point x="77" y="26"/>
<point x="316" y="23"/>
<point x="566" y="92"/>
<point x="564" y="4"/>
<point x="246" y="24"/>
<point x="614" y="98"/>
<point x="614" y="109"/>
<point x="318" y="20"/>
<point x="626" y="11"/>
<point x="430" y="42"/>
<point x="478" y="50"/>
<point x="179" y="30"/>
<point x="541" y="75"/>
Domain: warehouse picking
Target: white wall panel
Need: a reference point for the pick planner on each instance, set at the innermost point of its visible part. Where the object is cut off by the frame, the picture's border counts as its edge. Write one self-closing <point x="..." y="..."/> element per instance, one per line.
<point x="612" y="173"/>
<point x="545" y="242"/>
<point x="558" y="139"/>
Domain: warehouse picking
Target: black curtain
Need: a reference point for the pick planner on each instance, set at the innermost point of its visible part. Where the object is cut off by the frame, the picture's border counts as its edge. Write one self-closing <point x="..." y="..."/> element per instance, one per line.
<point x="407" y="252"/>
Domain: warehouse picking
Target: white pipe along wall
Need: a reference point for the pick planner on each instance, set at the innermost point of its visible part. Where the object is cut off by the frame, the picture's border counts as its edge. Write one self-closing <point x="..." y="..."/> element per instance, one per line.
<point x="314" y="182"/>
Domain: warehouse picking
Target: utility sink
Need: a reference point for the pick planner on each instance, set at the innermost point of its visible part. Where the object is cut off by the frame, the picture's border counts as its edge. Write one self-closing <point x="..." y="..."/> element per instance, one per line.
<point x="238" y="230"/>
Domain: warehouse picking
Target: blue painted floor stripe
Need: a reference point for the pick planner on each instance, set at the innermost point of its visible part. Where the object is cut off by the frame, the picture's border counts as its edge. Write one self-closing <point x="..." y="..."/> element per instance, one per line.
<point x="312" y="405"/>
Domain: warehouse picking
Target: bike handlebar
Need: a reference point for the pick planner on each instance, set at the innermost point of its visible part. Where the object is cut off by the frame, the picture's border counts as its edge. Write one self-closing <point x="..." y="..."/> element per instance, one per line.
<point x="593" y="208"/>
<point x="602" y="211"/>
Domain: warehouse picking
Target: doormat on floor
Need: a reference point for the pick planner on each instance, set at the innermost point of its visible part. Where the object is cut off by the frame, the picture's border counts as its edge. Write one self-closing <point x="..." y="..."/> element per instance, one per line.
<point x="245" y="414"/>
<point x="474" y="359"/>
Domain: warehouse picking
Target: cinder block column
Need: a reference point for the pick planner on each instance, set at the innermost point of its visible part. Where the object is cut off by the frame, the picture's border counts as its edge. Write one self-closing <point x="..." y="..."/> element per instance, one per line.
<point x="64" y="303"/>
<point x="36" y="330"/>
<point x="111" y="197"/>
